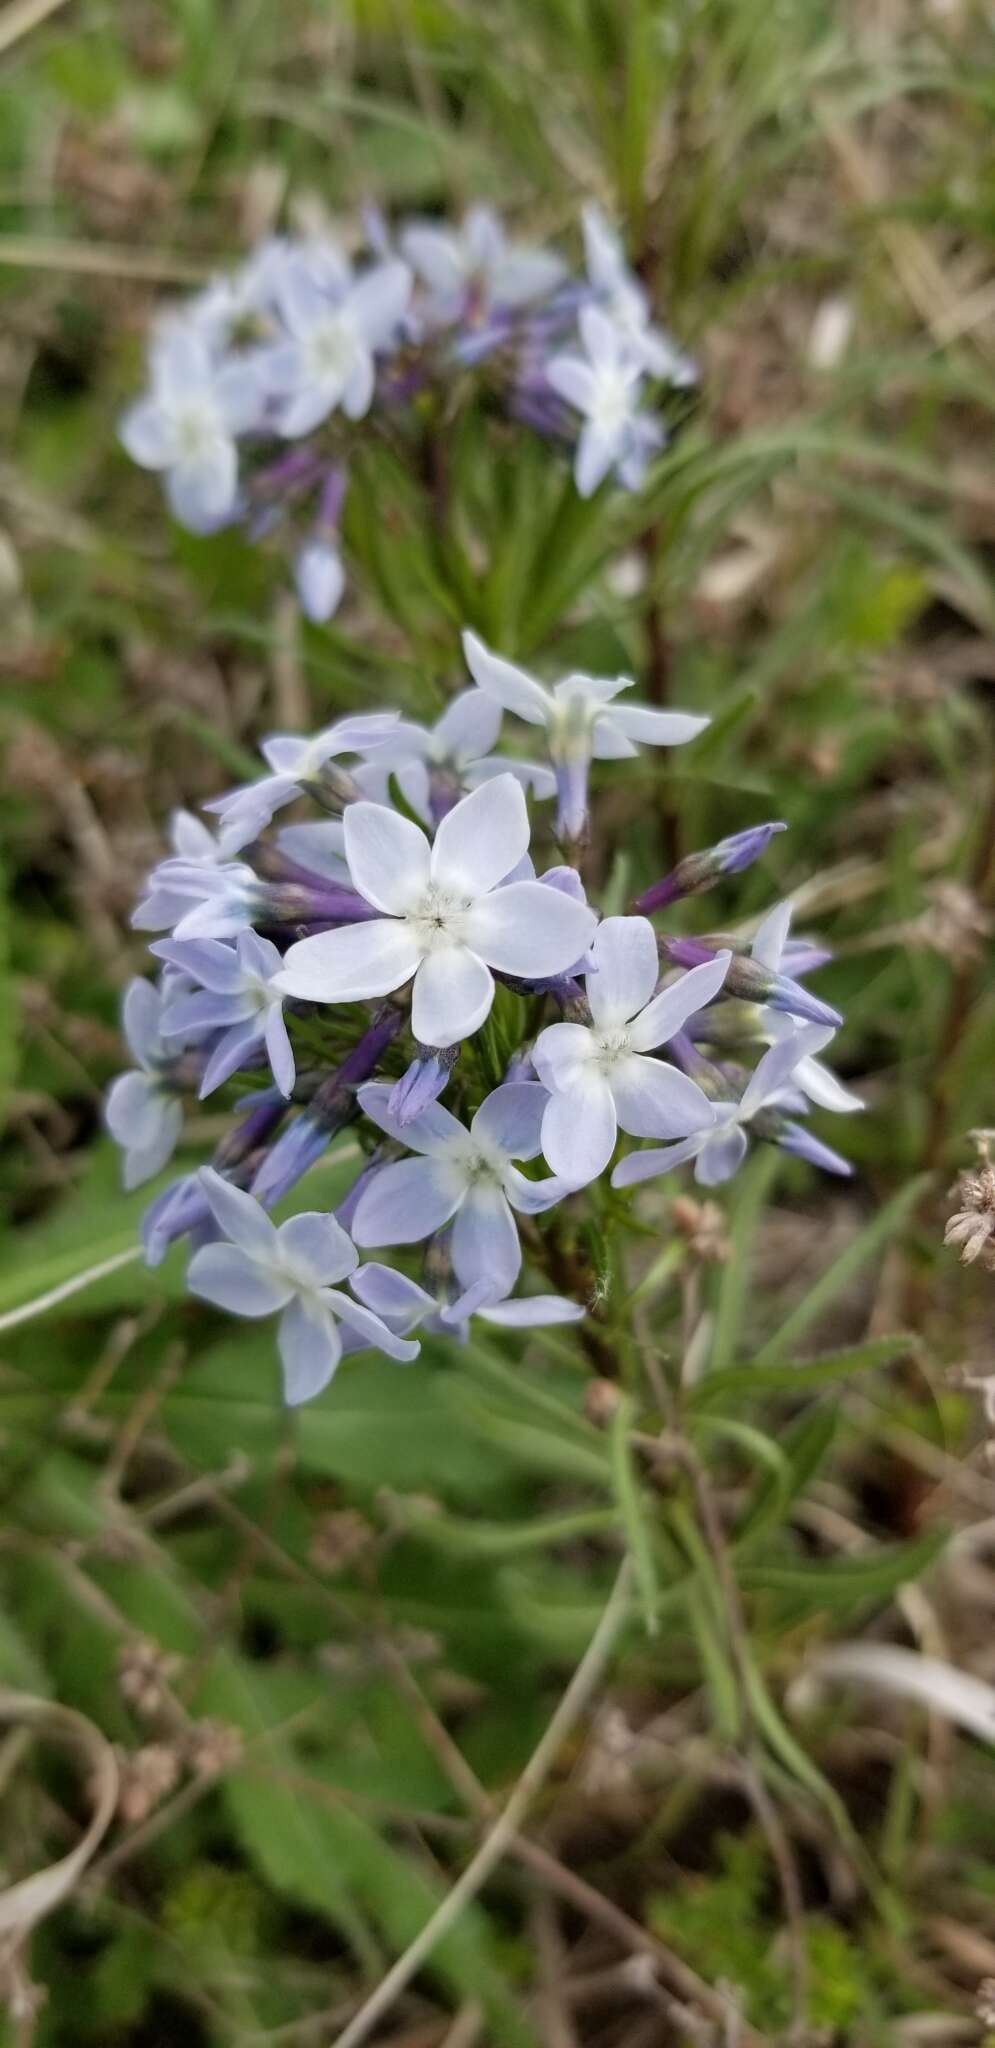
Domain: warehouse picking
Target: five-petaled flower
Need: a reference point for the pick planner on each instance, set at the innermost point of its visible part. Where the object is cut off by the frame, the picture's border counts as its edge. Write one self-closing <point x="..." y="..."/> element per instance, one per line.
<point x="469" y="1175"/>
<point x="582" y="719"/>
<point x="289" y="1272"/>
<point x="446" y="920"/>
<point x="605" y="386"/>
<point x="719" y="1146"/>
<point x="141" y="1114"/>
<point x="601" y="1076"/>
<point x="236" y="999"/>
<point x="187" y="423"/>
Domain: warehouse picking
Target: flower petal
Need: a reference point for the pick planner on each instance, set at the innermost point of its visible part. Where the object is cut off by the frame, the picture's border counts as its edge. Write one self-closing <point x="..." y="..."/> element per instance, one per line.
<point x="511" y="1117"/>
<point x="778" y="1065"/>
<point x="561" y="1054"/>
<point x="372" y="1330"/>
<point x="388" y="857"/>
<point x="720" y="1155"/>
<point x="654" y="1100"/>
<point x="469" y="726"/>
<point x="230" y="1278"/>
<point x="510" y="686"/>
<point x="649" y="728"/>
<point x="821" y="1086"/>
<point x="406" y="1202"/>
<point x="453" y="993"/>
<point x="352" y="964"/>
<point x="639" y="1166"/>
<point x="532" y="1312"/>
<point x="579" y="1131"/>
<point x="239" y="1215"/>
<point x="310" y="1348"/>
<point x="534" y="1197"/>
<point x="668" y="1012"/>
<point x="482" y="838"/>
<point x="772" y="937"/>
<point x="432" y="1130"/>
<point x="485" y="1243"/>
<point x="392" y="1296"/>
<point x="529" y="930"/>
<point x="624" y="971"/>
<point x="315" y="1250"/>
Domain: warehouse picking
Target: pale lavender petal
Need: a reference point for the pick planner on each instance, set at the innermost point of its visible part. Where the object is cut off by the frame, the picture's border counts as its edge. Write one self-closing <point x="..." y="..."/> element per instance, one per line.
<point x="534" y="1197"/>
<point x="529" y="930"/>
<point x="668" y="1012"/>
<point x="392" y="1296"/>
<point x="133" y="1110"/>
<point x="148" y="434"/>
<point x="722" y="1152"/>
<point x="388" y="857"/>
<point x="142" y="1162"/>
<point x="654" y="1100"/>
<point x="370" y="1328"/>
<point x="485" y="1241"/>
<point x="431" y="1131"/>
<point x="209" y="961"/>
<point x="202" y="493"/>
<point x="805" y="1145"/>
<point x="352" y="964"/>
<point x="510" y="686"/>
<point x="821" y="1086"/>
<point x="772" y="937"/>
<point x="579" y="1131"/>
<point x="239" y="1215"/>
<point x="597" y="449"/>
<point x="235" y="1048"/>
<point x="191" y="1016"/>
<point x="778" y="1064"/>
<point x="280" y="1051"/>
<point x="310" y="1348"/>
<point x="452" y="995"/>
<point x="140" y="1013"/>
<point x="561" y="1055"/>
<point x="511" y="1117"/>
<point x="481" y="838"/>
<point x="639" y="1166"/>
<point x="624" y="970"/>
<point x="649" y="728"/>
<point x="231" y="1279"/>
<point x="572" y="379"/>
<point x="315" y="1250"/>
<point x="319" y="578"/>
<point x="532" y="1312"/>
<point x="469" y="727"/>
<point x="406" y="1202"/>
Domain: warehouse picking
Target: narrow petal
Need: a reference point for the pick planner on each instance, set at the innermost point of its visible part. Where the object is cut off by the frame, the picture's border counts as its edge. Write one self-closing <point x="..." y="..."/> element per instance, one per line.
<point x="624" y="971"/>
<point x="668" y="1012"/>
<point x="648" y="728"/>
<point x="821" y="1086"/>
<point x="534" y="1197"/>
<point x="453" y="994"/>
<point x="573" y="379"/>
<point x="778" y="1065"/>
<point x="529" y="930"/>
<point x="480" y="840"/>
<point x="597" y="450"/>
<point x="388" y="857"/>
<point x="148" y="434"/>
<point x="310" y="1348"/>
<point x="510" y="686"/>
<point x="532" y="1312"/>
<point x="315" y="1250"/>
<point x="406" y="1202"/>
<point x="372" y="1330"/>
<point x="240" y="1216"/>
<point x="140" y="1014"/>
<point x="772" y="937"/>
<point x="133" y="1110"/>
<point x="231" y="1279"/>
<point x="236" y="1048"/>
<point x="432" y="1130"/>
<point x="640" y="1166"/>
<point x="352" y="964"/>
<point x="511" y="1117"/>
<point x="579" y="1132"/>
<point x="280" y="1051"/>
<point x="142" y="1162"/>
<point x="485" y="1243"/>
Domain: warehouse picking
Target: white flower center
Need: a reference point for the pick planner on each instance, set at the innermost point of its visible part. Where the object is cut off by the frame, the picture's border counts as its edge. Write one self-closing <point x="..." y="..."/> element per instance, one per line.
<point x="439" y="919"/>
<point x="483" y="1168"/>
<point x="611" y="404"/>
<point x="611" y="1048"/>
<point x="570" y="726"/>
<point x="332" y="346"/>
<point x="196" y="428"/>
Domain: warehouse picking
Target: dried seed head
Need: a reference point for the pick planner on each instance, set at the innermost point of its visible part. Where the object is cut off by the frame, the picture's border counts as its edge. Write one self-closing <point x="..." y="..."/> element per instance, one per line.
<point x="147" y="1776"/>
<point x="339" y="1539"/>
<point x="971" y="1228"/>
<point x="212" y="1747"/>
<point x="145" y="1671"/>
<point x="985" y="2002"/>
<point x="703" y="1224"/>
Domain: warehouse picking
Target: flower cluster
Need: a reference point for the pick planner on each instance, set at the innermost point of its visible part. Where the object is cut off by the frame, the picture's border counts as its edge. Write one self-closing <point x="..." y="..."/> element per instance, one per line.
<point x="355" y="966"/>
<point x="258" y="385"/>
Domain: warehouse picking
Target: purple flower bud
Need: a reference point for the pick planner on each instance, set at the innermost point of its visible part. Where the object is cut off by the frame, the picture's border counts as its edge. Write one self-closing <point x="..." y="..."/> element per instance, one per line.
<point x="796" y="1138"/>
<point x="701" y="870"/>
<point x="422" y="1083"/>
<point x="751" y="983"/>
<point x="330" y="1109"/>
<point x="320" y="580"/>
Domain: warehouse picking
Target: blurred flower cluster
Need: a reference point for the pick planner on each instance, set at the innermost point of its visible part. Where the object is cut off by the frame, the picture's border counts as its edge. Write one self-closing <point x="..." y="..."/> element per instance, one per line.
<point x="264" y="384"/>
<point x="405" y="940"/>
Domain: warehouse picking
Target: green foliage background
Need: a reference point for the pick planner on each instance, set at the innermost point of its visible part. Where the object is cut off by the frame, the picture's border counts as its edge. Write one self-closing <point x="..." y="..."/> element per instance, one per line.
<point x="334" y="1603"/>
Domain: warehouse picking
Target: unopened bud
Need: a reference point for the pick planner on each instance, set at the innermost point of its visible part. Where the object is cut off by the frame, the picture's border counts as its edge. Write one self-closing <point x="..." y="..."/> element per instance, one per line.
<point x="701" y="871"/>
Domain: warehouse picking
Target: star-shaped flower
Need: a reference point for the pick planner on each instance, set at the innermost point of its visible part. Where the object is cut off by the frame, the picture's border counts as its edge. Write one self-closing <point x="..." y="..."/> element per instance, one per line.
<point x="719" y="1146"/>
<point x="187" y="424"/>
<point x="600" y="1076"/>
<point x="446" y="921"/>
<point x="142" y="1116"/>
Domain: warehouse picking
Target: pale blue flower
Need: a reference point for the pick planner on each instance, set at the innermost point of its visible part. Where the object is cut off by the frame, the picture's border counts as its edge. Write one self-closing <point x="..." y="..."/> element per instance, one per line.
<point x="140" y="1112"/>
<point x="446" y="920"/>
<point x="435" y="765"/>
<point x="335" y="329"/>
<point x="289" y="1272"/>
<point x="623" y="297"/>
<point x="600" y="1076"/>
<point x="812" y="1076"/>
<point x="404" y="1306"/>
<point x="295" y="763"/>
<point x="582" y="722"/>
<point x="469" y="1175"/>
<point x="605" y="386"/>
<point x="237" y="1000"/>
<point x="320" y="579"/>
<point x="719" y="1146"/>
<point x="186" y="425"/>
<point x="474" y="267"/>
